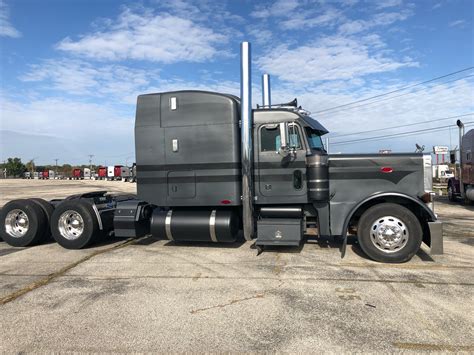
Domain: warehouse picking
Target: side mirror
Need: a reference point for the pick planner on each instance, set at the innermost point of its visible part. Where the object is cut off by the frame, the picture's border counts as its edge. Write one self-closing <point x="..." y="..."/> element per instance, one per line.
<point x="284" y="147"/>
<point x="452" y="156"/>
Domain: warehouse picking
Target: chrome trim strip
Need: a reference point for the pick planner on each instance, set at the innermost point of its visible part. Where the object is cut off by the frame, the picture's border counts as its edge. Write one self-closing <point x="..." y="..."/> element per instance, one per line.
<point x="212" y="226"/>
<point x="319" y="189"/>
<point x="318" y="180"/>
<point x="312" y="165"/>
<point x="99" y="220"/>
<point x="168" y="225"/>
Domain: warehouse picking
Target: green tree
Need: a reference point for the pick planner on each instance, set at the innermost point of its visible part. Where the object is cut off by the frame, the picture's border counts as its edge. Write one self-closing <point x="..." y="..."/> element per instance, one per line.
<point x="15" y="167"/>
<point x="30" y="166"/>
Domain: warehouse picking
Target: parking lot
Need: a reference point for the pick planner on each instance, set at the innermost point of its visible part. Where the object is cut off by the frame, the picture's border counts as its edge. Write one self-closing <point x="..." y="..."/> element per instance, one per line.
<point x="150" y="295"/>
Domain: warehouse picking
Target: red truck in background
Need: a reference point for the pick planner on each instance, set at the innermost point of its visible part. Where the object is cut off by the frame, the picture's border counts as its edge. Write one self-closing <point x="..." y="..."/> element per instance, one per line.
<point x="462" y="186"/>
<point x="117" y="172"/>
<point x="77" y="174"/>
<point x="46" y="174"/>
<point x="102" y="173"/>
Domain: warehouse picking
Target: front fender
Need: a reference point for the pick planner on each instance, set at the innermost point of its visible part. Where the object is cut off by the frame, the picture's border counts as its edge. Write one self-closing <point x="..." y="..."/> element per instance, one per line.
<point x="430" y="213"/>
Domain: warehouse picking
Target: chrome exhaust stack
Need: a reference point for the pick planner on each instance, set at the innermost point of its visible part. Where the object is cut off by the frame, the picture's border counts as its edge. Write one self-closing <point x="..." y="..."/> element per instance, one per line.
<point x="461" y="134"/>
<point x="266" y="91"/>
<point x="246" y="140"/>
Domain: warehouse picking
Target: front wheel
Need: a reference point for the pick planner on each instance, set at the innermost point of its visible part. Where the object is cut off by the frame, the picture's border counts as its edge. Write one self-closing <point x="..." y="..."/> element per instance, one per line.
<point x="451" y="195"/>
<point x="389" y="233"/>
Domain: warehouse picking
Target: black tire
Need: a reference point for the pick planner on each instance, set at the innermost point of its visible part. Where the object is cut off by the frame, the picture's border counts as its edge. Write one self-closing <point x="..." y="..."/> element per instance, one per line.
<point x="37" y="223"/>
<point x="412" y="230"/>
<point x="451" y="195"/>
<point x="90" y="232"/>
<point x="48" y="210"/>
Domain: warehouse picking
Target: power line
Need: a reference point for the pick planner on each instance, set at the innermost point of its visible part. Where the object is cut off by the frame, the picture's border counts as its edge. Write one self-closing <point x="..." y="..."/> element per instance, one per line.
<point x="337" y="111"/>
<point x="405" y="135"/>
<point x="394" y="91"/>
<point x="402" y="126"/>
<point x="398" y="134"/>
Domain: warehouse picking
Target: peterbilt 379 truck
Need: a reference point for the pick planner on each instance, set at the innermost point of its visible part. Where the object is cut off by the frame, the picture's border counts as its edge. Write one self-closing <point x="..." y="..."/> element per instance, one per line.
<point x="212" y="169"/>
<point x="462" y="186"/>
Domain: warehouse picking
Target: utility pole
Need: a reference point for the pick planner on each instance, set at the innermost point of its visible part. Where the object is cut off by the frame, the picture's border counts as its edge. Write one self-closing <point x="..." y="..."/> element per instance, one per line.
<point x="56" y="168"/>
<point x="90" y="161"/>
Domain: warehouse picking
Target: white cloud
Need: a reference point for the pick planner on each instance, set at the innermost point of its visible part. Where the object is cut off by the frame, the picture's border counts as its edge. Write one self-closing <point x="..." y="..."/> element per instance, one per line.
<point x="388" y="3"/>
<point x="423" y="104"/>
<point x="457" y="23"/>
<point x="307" y="20"/>
<point x="117" y="84"/>
<point x="80" y="126"/>
<point x="78" y="77"/>
<point x="6" y="28"/>
<point x="278" y="8"/>
<point x="381" y="19"/>
<point x="143" y="35"/>
<point x="331" y="58"/>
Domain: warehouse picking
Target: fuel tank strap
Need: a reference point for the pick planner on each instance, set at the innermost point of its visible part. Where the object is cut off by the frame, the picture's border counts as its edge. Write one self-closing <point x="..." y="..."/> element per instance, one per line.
<point x="168" y="225"/>
<point x="212" y="226"/>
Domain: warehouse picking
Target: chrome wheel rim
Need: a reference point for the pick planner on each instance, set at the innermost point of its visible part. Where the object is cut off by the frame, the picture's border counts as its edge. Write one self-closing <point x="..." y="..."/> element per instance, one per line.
<point x="17" y="223"/>
<point x="389" y="234"/>
<point x="71" y="225"/>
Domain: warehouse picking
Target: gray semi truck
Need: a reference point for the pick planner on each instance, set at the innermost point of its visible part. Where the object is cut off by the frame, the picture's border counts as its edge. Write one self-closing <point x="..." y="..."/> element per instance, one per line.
<point x="212" y="169"/>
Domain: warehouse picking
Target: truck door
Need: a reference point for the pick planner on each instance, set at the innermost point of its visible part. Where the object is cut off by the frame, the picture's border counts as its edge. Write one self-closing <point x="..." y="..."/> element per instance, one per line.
<point x="281" y="178"/>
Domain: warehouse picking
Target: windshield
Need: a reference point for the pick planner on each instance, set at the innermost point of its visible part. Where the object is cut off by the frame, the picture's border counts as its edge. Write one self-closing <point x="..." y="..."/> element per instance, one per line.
<point x="314" y="139"/>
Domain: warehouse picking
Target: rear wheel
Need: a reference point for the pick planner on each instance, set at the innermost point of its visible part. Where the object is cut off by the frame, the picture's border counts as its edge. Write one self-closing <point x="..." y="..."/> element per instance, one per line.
<point x="48" y="210"/>
<point x="389" y="233"/>
<point x="74" y="224"/>
<point x="24" y="223"/>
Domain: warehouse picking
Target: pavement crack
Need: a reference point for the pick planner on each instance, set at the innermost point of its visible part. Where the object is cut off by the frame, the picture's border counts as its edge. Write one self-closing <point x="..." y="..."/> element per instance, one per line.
<point x="258" y="295"/>
<point x="434" y="347"/>
<point x="47" y="279"/>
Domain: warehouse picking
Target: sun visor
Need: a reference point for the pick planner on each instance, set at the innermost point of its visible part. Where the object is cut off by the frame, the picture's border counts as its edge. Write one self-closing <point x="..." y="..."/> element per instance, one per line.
<point x="314" y="125"/>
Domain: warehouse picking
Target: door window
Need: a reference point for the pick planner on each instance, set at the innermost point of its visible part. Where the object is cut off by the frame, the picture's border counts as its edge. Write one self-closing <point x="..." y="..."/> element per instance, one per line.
<point x="270" y="139"/>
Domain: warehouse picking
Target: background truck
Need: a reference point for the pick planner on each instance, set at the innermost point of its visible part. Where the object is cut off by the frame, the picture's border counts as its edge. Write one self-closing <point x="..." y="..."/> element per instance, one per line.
<point x="118" y="172"/>
<point x="77" y="174"/>
<point x="442" y="172"/>
<point x="125" y="173"/>
<point x="110" y="172"/>
<point x="102" y="172"/>
<point x="462" y="186"/>
<point x="212" y="169"/>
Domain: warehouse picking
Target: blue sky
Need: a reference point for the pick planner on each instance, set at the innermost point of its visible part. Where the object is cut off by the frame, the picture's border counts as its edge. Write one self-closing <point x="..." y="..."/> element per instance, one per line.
<point x="71" y="70"/>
